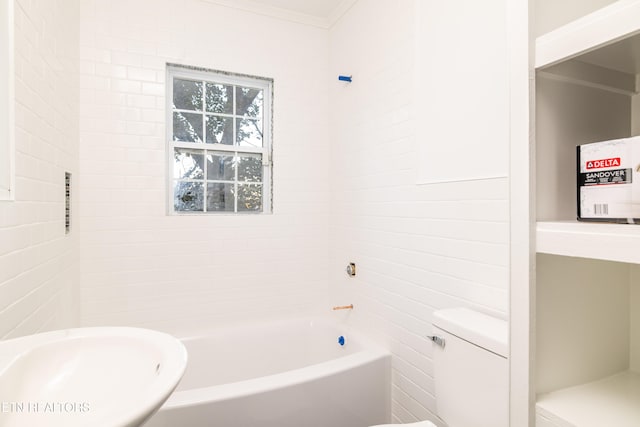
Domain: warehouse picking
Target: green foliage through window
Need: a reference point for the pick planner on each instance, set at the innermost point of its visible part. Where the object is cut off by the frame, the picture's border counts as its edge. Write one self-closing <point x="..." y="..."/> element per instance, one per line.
<point x="218" y="142"/>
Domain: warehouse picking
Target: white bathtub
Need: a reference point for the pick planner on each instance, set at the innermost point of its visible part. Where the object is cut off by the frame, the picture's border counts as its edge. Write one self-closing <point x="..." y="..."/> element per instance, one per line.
<point x="280" y="374"/>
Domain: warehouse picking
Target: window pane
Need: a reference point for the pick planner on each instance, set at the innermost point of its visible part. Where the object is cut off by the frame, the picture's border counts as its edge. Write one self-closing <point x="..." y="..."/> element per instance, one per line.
<point x="188" y="164"/>
<point x="187" y="127"/>
<point x="249" y="197"/>
<point x="220" y="167"/>
<point x="188" y="196"/>
<point x="218" y="142"/>
<point x="187" y="95"/>
<point x="249" y="133"/>
<point x="219" y="98"/>
<point x="220" y="198"/>
<point x="250" y="168"/>
<point x="219" y="130"/>
<point x="249" y="102"/>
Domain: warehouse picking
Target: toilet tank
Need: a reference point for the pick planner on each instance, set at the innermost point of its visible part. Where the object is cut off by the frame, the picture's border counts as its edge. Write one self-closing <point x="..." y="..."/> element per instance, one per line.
<point x="471" y="369"/>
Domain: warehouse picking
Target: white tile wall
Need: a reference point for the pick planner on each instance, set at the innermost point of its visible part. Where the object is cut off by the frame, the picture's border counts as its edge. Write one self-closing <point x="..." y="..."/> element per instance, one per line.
<point x="344" y="180"/>
<point x="140" y="267"/>
<point x="417" y="248"/>
<point x="38" y="262"/>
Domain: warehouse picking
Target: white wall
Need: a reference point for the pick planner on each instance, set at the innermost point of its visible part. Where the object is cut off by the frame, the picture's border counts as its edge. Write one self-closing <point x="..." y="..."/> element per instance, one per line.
<point x="38" y="262"/>
<point x="583" y="313"/>
<point x="635" y="110"/>
<point x="417" y="248"/>
<point x="635" y="270"/>
<point x="6" y="99"/>
<point x="141" y="267"/>
<point x="461" y="75"/>
<point x="634" y="317"/>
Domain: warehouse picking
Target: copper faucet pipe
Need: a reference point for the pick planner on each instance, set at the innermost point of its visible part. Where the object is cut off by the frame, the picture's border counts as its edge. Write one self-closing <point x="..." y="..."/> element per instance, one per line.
<point x="343" y="307"/>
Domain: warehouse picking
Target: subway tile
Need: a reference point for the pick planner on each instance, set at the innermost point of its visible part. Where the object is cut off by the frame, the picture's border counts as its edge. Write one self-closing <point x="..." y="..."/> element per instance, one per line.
<point x="110" y="70"/>
<point x="126" y="86"/>
<point x="125" y="58"/>
<point x="142" y="74"/>
<point x="153" y="89"/>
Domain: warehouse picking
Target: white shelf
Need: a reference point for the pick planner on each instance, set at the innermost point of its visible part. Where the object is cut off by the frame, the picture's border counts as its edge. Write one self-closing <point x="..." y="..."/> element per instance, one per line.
<point x="613" y="401"/>
<point x="611" y="242"/>
<point x="610" y="24"/>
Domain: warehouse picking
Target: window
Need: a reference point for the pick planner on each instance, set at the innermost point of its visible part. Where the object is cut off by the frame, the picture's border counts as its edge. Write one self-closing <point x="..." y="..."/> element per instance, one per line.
<point x="6" y="100"/>
<point x="219" y="142"/>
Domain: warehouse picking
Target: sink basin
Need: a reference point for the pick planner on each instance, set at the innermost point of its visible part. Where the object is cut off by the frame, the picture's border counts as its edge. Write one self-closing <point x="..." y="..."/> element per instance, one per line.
<point x="110" y="377"/>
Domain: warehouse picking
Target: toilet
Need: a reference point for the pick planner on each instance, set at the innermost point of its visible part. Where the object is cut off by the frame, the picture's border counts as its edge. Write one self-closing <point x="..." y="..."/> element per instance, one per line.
<point x="471" y="370"/>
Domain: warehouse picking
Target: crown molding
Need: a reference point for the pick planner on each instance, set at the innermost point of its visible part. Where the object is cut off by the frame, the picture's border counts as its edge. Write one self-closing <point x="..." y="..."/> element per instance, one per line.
<point x="339" y="11"/>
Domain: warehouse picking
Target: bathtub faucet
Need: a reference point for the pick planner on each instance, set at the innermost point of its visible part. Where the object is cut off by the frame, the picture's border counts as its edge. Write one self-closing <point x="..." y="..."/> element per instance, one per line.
<point x="343" y="307"/>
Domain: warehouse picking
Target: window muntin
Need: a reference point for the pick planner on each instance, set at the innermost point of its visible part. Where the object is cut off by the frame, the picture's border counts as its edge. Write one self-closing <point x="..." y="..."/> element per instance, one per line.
<point x="219" y="142"/>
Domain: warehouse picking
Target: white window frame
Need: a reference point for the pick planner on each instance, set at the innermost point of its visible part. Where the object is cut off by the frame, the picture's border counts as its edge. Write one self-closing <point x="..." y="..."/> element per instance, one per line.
<point x="214" y="76"/>
<point x="7" y="91"/>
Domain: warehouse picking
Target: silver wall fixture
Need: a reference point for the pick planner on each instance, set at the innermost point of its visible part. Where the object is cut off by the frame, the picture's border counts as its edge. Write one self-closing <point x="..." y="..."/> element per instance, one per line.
<point x="351" y="269"/>
<point x="437" y="340"/>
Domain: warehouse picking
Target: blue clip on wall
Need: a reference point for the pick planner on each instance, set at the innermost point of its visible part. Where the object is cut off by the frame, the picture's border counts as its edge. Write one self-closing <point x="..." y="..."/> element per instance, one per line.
<point x="344" y="78"/>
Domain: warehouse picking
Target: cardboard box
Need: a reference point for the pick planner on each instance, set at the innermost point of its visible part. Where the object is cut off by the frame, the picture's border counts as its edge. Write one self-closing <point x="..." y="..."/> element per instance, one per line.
<point x="608" y="181"/>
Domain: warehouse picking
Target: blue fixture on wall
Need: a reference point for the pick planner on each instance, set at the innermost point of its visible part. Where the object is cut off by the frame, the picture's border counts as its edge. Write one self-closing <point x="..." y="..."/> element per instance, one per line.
<point x="344" y="78"/>
<point x="341" y="340"/>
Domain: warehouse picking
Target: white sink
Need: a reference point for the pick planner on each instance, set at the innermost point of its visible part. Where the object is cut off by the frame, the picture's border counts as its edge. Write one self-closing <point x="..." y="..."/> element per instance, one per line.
<point x="99" y="377"/>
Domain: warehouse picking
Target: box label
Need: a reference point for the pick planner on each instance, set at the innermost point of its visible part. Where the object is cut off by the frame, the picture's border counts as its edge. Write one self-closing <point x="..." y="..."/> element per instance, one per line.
<point x="603" y="163"/>
<point x="615" y="176"/>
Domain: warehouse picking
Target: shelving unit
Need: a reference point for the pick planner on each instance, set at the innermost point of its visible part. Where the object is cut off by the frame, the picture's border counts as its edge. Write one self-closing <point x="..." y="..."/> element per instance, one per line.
<point x="588" y="306"/>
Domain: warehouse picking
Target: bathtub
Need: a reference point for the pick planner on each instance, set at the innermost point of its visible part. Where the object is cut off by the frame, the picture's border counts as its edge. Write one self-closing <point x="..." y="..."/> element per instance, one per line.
<point x="280" y="374"/>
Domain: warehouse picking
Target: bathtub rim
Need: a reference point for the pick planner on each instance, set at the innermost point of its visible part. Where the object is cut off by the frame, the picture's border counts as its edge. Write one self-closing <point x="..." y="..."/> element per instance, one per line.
<point x="370" y="352"/>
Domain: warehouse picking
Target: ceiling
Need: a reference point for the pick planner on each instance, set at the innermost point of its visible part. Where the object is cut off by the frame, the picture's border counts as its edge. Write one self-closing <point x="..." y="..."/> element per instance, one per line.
<point x="317" y="8"/>
<point x="322" y="13"/>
